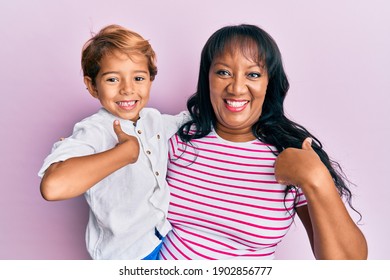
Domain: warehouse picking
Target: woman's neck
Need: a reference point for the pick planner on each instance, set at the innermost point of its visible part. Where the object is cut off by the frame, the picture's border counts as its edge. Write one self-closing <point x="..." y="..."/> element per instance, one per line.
<point x="235" y="135"/>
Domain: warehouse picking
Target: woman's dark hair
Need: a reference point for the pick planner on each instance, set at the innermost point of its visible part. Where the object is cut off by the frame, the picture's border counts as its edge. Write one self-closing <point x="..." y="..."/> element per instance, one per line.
<point x="273" y="127"/>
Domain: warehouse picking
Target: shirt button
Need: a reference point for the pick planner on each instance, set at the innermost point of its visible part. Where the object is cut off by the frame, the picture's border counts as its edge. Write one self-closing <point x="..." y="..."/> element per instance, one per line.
<point x="139" y="131"/>
<point x="157" y="173"/>
<point x="148" y="152"/>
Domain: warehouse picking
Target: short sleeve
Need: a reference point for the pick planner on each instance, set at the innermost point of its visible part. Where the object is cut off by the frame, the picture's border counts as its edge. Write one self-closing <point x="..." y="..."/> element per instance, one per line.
<point x="173" y="122"/>
<point x="84" y="141"/>
<point x="300" y="199"/>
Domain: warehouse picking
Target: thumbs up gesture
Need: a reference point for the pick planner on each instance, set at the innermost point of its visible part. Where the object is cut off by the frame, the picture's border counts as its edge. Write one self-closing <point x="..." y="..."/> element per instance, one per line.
<point x="300" y="167"/>
<point x="122" y="136"/>
<point x="129" y="142"/>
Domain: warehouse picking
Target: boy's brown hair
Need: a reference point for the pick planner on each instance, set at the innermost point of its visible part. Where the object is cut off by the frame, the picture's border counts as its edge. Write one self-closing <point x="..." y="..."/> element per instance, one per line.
<point x="115" y="37"/>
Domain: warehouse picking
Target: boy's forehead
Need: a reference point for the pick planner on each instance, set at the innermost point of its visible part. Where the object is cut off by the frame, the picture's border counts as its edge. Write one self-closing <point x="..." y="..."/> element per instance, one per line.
<point x="120" y="56"/>
<point x="123" y="62"/>
<point x="125" y="55"/>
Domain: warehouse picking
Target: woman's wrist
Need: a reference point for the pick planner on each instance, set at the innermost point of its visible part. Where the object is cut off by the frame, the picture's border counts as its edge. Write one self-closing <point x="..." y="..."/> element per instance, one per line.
<point x="321" y="182"/>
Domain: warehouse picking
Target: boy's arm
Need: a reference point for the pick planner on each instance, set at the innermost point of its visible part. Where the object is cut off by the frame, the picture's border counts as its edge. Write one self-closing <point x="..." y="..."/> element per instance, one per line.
<point x="74" y="176"/>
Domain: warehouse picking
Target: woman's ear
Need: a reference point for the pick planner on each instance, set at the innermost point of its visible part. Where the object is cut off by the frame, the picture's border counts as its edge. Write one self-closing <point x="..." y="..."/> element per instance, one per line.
<point x="90" y="86"/>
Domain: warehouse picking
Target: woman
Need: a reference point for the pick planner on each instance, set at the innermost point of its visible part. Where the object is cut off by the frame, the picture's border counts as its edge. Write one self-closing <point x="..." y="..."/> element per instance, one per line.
<point x="240" y="170"/>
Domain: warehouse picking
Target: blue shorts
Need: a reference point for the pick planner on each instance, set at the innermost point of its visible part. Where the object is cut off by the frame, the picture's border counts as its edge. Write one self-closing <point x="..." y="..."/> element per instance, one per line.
<point x="154" y="254"/>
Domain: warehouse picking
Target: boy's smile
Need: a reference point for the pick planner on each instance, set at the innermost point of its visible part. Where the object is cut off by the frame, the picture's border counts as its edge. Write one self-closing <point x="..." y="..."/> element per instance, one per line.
<point x="127" y="105"/>
<point x="122" y="84"/>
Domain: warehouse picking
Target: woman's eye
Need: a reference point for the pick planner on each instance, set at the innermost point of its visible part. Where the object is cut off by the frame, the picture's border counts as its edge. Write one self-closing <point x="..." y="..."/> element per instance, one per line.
<point x="223" y="73"/>
<point x="254" y="75"/>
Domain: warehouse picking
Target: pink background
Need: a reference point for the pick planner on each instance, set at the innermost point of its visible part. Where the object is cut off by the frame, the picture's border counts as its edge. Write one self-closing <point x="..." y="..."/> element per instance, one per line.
<point x="336" y="53"/>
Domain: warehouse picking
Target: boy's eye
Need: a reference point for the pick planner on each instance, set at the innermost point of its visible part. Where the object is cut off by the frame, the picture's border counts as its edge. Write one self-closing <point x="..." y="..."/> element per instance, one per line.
<point x="112" y="80"/>
<point x="139" y="79"/>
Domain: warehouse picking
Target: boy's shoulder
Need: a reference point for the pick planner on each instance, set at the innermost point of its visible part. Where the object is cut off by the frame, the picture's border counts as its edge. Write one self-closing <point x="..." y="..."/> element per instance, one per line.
<point x="101" y="114"/>
<point x="98" y="124"/>
<point x="101" y="118"/>
<point x="150" y="113"/>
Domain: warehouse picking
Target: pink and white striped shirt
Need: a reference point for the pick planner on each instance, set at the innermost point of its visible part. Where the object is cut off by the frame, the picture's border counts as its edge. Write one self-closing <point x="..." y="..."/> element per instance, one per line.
<point x="225" y="201"/>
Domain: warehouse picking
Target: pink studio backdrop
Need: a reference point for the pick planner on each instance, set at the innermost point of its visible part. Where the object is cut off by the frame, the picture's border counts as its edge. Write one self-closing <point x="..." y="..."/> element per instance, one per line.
<point x="336" y="54"/>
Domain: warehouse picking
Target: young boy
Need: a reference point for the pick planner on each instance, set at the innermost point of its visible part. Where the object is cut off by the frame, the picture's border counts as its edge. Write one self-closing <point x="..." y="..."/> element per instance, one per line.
<point x="117" y="157"/>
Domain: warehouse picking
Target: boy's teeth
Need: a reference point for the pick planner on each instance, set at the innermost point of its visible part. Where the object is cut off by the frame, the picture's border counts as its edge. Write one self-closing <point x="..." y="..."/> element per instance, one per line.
<point x="126" y="103"/>
<point x="236" y="103"/>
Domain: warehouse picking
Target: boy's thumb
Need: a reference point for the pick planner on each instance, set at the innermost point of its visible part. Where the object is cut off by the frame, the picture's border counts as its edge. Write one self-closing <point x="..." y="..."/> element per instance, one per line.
<point x="117" y="128"/>
<point x="306" y="145"/>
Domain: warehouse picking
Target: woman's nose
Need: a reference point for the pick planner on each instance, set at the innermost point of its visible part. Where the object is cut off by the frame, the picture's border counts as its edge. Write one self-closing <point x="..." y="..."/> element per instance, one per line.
<point x="237" y="86"/>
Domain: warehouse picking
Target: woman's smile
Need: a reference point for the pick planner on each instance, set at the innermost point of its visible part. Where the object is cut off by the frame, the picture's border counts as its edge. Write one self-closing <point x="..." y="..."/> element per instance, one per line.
<point x="236" y="105"/>
<point x="237" y="90"/>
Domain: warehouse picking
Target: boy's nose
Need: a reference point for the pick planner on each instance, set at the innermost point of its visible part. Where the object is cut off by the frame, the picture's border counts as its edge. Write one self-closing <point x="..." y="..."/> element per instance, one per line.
<point x="127" y="88"/>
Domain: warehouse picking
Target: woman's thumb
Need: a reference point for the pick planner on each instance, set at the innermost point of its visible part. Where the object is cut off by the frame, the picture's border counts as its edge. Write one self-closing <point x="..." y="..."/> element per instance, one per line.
<point x="306" y="145"/>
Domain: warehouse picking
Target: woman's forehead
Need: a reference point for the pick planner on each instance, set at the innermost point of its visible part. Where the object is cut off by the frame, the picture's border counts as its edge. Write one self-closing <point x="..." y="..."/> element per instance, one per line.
<point x="245" y="46"/>
<point x="248" y="51"/>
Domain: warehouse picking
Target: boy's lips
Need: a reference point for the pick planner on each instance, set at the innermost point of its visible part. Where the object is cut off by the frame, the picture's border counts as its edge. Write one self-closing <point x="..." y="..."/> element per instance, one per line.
<point x="127" y="105"/>
<point x="236" y="105"/>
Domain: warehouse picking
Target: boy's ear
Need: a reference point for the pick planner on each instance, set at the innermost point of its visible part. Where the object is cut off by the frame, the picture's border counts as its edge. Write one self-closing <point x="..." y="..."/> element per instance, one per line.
<point x="90" y="86"/>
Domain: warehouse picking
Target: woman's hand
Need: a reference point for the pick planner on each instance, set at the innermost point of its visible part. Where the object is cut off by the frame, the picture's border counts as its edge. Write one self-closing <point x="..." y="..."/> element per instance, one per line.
<point x="332" y="232"/>
<point x="300" y="167"/>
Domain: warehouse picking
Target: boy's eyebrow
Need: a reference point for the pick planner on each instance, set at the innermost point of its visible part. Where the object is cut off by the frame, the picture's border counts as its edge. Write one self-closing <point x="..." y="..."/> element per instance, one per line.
<point x="118" y="72"/>
<point x="109" y="72"/>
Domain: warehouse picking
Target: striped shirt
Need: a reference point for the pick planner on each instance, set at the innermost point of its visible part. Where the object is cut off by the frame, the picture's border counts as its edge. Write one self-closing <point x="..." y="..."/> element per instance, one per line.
<point x="225" y="201"/>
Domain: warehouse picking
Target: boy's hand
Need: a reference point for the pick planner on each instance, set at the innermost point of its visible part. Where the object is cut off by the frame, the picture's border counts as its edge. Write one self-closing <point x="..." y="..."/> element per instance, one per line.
<point x="131" y="142"/>
<point x="122" y="137"/>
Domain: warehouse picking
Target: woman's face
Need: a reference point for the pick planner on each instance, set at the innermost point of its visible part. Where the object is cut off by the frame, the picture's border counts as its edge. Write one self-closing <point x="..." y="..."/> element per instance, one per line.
<point x="237" y="91"/>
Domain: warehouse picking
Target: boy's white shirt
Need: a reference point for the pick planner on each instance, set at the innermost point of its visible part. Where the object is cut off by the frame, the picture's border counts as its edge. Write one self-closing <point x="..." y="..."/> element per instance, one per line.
<point x="126" y="206"/>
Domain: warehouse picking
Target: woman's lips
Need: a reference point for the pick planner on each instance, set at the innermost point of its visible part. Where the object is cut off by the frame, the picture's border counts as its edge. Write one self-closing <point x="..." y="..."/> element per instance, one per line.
<point x="236" y="105"/>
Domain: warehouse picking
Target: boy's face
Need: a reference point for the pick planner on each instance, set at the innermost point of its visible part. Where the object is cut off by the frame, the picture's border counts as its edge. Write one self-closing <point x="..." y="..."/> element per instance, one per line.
<point x="122" y="84"/>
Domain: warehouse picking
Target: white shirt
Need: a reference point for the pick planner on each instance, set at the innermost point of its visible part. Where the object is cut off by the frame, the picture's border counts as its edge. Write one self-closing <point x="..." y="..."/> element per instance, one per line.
<point x="126" y="206"/>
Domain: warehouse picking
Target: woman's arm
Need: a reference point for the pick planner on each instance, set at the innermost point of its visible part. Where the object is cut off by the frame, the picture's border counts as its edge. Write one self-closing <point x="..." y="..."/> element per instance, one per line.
<point x="332" y="232"/>
<point x="74" y="176"/>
